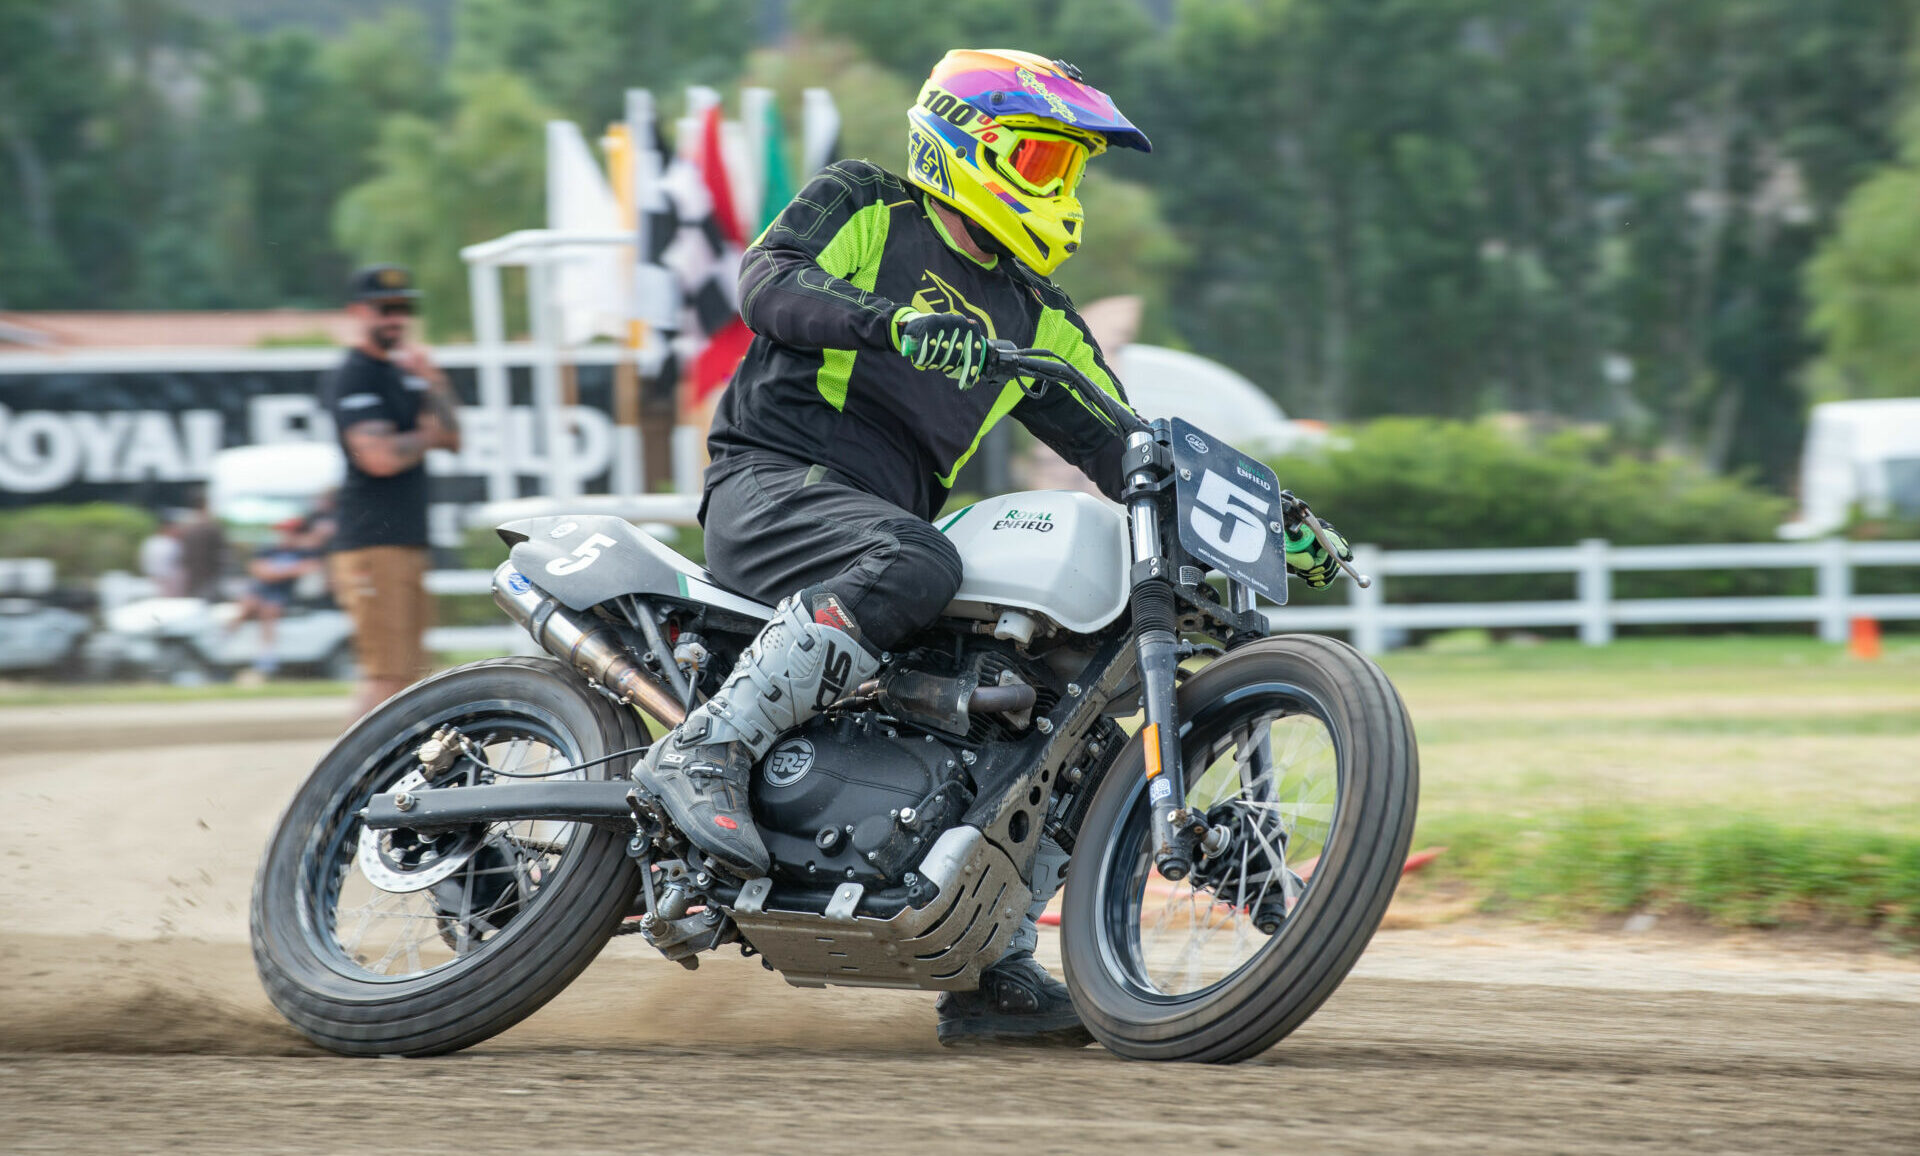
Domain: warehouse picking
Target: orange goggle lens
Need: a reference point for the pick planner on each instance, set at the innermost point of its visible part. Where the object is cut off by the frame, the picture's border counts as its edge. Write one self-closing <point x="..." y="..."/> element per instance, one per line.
<point x="1040" y="161"/>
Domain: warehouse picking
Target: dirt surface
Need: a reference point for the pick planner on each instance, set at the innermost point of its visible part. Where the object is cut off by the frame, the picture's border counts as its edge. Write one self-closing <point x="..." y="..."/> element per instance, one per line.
<point x="130" y="1020"/>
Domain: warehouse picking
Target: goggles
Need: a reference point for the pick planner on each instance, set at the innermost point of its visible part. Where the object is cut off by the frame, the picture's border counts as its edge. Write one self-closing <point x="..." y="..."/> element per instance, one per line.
<point x="1045" y="164"/>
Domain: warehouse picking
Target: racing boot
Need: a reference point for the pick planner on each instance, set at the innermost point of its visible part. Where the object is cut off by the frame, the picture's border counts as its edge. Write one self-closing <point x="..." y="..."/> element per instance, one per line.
<point x="805" y="659"/>
<point x="1018" y="1004"/>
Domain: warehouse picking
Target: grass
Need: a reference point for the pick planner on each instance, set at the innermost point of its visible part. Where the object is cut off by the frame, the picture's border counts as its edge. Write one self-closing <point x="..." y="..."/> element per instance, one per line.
<point x="1754" y="782"/>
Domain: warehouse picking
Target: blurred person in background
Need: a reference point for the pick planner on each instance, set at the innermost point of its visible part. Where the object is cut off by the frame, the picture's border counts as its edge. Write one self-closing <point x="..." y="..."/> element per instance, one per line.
<point x="390" y="405"/>
<point x="873" y="298"/>
<point x="161" y="562"/>
<point x="272" y="572"/>
<point x="203" y="551"/>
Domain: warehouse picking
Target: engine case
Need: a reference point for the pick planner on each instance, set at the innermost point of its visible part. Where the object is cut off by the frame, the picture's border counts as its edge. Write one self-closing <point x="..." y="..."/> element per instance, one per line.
<point x="843" y="800"/>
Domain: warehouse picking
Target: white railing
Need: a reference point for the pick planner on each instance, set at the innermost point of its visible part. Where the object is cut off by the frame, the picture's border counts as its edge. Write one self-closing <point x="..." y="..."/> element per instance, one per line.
<point x="1372" y="621"/>
<point x="1594" y="610"/>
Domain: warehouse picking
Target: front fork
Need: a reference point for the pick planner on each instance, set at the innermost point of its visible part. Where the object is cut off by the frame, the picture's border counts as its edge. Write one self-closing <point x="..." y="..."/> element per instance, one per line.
<point x="1176" y="830"/>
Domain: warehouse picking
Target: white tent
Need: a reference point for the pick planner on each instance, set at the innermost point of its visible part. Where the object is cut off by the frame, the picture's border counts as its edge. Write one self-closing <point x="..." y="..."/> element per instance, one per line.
<point x="1862" y="455"/>
<point x="1168" y="383"/>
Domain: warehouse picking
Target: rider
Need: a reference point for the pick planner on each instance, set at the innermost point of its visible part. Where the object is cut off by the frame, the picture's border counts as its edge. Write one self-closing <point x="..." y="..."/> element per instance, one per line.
<point x="872" y="299"/>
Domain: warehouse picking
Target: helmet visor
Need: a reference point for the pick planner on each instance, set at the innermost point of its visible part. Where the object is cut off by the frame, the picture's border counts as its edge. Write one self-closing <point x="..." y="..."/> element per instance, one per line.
<point x="1046" y="165"/>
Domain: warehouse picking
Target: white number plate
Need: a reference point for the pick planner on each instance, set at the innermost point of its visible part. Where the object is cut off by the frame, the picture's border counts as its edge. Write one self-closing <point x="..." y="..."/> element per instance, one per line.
<point x="1228" y="506"/>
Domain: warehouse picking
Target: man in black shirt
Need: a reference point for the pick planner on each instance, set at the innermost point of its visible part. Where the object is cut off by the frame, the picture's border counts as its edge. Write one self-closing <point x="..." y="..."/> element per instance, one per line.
<point x="390" y="406"/>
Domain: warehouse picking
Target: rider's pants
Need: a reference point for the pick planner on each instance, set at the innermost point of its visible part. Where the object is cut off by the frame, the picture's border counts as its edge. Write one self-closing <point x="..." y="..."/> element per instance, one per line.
<point x="775" y="525"/>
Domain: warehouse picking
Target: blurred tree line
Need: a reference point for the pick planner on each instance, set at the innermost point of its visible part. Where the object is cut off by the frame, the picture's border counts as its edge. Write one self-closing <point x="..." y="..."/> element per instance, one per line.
<point x="1677" y="218"/>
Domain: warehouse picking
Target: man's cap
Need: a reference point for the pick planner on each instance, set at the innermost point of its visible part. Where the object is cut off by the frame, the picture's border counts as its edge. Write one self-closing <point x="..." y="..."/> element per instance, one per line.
<point x="382" y="283"/>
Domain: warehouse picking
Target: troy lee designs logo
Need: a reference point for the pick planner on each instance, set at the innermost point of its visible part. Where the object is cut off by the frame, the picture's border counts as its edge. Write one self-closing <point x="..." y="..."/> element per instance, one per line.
<point x="1059" y="107"/>
<point x="1026" y="520"/>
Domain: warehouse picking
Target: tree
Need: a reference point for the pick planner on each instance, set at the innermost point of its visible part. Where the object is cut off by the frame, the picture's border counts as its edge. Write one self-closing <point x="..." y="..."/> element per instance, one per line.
<point x="1864" y="283"/>
<point x="581" y="55"/>
<point x="1388" y="201"/>
<point x="437" y="189"/>
<point x="1739" y="125"/>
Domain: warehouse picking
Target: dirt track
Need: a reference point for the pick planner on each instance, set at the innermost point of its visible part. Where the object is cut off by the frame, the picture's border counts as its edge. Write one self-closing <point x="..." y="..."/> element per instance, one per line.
<point x="130" y="1020"/>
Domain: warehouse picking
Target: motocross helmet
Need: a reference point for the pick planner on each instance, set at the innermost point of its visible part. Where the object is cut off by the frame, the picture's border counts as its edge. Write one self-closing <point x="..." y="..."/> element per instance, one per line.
<point x="1004" y="137"/>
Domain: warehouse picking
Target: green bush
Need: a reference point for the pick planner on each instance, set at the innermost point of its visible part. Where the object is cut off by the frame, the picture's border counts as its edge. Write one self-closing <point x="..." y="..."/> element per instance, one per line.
<point x="84" y="541"/>
<point x="1419" y="484"/>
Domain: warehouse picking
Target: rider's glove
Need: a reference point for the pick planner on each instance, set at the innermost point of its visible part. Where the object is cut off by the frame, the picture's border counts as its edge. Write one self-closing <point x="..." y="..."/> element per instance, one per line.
<point x="947" y="342"/>
<point x="1310" y="560"/>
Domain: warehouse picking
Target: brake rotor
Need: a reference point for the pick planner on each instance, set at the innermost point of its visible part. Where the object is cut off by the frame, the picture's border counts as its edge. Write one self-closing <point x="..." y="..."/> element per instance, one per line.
<point x="402" y="861"/>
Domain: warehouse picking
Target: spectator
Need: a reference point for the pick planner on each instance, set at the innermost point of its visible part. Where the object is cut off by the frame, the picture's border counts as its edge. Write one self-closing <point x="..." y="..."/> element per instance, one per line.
<point x="272" y="574"/>
<point x="390" y="405"/>
<point x="203" y="548"/>
<point x="161" y="561"/>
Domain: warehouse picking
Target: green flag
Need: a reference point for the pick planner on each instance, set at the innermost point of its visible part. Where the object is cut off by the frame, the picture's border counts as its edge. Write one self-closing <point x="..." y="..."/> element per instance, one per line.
<point x="779" y="187"/>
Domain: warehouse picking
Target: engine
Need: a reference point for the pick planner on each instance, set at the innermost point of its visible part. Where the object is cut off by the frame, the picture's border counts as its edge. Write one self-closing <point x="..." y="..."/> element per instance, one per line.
<point x="851" y="797"/>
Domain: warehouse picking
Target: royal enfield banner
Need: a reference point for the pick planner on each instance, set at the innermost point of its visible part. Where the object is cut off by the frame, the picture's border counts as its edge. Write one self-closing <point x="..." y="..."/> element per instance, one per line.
<point x="147" y="438"/>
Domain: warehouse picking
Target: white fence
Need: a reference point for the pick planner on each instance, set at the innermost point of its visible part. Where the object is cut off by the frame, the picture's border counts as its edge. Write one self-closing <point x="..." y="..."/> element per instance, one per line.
<point x="1372" y="621"/>
<point x="1594" y="610"/>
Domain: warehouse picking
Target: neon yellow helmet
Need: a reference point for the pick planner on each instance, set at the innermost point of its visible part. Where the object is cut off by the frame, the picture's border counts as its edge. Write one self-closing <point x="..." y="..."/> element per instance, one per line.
<point x="1004" y="137"/>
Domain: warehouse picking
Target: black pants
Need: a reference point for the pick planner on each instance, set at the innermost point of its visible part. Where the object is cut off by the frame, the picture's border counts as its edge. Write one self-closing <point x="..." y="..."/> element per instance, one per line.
<point x="775" y="525"/>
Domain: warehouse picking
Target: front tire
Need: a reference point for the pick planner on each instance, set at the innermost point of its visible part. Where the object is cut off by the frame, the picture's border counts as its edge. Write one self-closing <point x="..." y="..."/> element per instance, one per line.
<point x="369" y="945"/>
<point x="1222" y="965"/>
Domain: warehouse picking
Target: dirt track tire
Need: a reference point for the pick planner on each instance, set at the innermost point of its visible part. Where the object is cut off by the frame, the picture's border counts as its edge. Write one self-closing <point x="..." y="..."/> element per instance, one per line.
<point x="507" y="978"/>
<point x="1279" y="988"/>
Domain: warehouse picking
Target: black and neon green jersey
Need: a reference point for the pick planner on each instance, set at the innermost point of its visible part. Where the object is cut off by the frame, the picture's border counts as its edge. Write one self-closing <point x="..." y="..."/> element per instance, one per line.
<point x="822" y="383"/>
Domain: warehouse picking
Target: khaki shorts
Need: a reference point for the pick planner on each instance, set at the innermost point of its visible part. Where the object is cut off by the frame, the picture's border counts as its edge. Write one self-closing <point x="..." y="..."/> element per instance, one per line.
<point x="383" y="589"/>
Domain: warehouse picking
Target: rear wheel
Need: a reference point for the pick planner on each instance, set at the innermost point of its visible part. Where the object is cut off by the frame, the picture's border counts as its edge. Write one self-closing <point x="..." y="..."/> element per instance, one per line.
<point x="398" y="942"/>
<point x="1301" y="756"/>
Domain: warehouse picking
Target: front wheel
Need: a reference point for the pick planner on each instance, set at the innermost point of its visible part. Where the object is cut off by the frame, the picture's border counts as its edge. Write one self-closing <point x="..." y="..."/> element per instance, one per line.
<point x="398" y="942"/>
<point x="1302" y="758"/>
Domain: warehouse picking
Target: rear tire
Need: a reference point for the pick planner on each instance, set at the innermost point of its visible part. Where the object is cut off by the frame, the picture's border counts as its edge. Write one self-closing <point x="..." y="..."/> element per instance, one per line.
<point x="1356" y="863"/>
<point x="556" y="919"/>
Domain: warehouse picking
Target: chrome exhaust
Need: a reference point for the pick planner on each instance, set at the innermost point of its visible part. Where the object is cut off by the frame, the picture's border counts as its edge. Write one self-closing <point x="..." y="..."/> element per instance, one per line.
<point x="582" y="642"/>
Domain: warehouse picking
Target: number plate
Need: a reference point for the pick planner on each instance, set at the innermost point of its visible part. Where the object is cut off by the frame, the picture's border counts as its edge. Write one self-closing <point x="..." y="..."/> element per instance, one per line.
<point x="1227" y="506"/>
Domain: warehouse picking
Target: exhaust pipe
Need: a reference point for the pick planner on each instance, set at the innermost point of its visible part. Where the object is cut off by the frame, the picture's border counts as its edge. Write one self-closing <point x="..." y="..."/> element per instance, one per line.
<point x="584" y="643"/>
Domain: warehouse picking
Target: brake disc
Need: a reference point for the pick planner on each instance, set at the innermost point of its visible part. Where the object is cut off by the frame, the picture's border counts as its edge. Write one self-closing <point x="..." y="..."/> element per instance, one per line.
<point x="403" y="861"/>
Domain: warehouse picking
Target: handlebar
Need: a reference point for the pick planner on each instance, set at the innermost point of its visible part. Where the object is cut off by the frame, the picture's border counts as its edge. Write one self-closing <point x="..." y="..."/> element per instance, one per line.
<point x="1035" y="369"/>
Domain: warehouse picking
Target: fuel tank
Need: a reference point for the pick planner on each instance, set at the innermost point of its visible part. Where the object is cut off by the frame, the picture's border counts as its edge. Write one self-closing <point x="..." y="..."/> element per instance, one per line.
<point x="1057" y="553"/>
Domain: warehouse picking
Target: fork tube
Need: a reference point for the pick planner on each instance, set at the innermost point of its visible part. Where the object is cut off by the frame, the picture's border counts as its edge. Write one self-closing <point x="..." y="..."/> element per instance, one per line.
<point x="1155" y="640"/>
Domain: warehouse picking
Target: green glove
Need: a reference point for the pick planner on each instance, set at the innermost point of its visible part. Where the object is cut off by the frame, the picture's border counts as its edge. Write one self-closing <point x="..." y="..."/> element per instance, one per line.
<point x="946" y="342"/>
<point x="1310" y="560"/>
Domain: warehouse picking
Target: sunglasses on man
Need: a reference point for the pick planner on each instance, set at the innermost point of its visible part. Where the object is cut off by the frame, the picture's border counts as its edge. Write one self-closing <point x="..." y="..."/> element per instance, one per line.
<point x="395" y="308"/>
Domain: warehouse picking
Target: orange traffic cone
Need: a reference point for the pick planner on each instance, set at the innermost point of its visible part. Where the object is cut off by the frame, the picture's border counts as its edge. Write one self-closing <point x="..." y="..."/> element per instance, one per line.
<point x="1863" y="641"/>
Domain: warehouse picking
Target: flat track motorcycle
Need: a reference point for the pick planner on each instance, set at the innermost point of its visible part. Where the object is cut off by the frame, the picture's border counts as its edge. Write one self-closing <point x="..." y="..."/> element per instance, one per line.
<point x="467" y="848"/>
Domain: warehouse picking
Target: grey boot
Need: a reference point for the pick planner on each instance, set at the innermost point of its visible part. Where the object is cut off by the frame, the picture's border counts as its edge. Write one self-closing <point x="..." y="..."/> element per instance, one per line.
<point x="1018" y="1003"/>
<point x="796" y="668"/>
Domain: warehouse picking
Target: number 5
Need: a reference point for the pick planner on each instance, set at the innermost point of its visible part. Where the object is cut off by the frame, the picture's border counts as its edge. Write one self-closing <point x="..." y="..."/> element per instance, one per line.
<point x="583" y="556"/>
<point x="1244" y="537"/>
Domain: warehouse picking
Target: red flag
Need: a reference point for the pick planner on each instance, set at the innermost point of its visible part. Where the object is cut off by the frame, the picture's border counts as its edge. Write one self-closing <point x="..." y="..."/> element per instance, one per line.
<point x="715" y="364"/>
<point x="713" y="170"/>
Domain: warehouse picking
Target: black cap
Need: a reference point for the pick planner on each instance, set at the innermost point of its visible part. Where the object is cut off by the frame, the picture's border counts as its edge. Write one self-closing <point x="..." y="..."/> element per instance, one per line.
<point x="382" y="283"/>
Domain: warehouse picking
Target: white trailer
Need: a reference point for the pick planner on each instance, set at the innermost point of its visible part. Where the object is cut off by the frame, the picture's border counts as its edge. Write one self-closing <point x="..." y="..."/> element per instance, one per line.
<point x="1861" y="457"/>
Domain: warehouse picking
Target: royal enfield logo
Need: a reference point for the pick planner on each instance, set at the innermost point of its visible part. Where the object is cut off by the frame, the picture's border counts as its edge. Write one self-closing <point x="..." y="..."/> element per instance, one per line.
<point x="1252" y="475"/>
<point x="788" y="763"/>
<point x="1198" y="443"/>
<point x="1040" y="520"/>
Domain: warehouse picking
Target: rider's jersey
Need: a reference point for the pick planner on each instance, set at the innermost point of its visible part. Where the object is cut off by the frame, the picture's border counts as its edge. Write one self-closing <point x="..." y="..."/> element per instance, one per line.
<point x="822" y="382"/>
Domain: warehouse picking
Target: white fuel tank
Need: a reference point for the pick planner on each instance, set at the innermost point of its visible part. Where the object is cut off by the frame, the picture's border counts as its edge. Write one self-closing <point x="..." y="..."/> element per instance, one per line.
<point x="1058" y="553"/>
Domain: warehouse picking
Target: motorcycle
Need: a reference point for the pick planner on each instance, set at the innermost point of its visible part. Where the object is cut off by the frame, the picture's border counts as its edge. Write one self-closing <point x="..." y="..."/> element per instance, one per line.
<point x="467" y="848"/>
